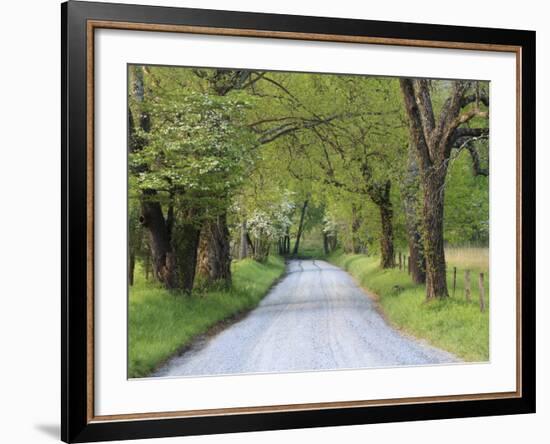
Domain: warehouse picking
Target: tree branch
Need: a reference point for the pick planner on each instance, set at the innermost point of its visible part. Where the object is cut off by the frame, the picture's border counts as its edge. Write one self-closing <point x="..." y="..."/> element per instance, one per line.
<point x="466" y="142"/>
<point x="482" y="97"/>
<point x="424" y="103"/>
<point x="415" y="122"/>
<point x="252" y="81"/>
<point x="476" y="164"/>
<point x="470" y="132"/>
<point x="287" y="128"/>
<point x="466" y="117"/>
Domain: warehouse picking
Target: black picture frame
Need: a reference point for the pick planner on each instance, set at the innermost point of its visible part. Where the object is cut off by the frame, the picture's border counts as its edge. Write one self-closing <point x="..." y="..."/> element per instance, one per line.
<point x="76" y="423"/>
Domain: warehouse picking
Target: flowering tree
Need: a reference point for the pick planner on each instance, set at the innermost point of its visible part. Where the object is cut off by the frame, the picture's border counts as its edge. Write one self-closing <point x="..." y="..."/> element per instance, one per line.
<point x="269" y="225"/>
<point x="187" y="154"/>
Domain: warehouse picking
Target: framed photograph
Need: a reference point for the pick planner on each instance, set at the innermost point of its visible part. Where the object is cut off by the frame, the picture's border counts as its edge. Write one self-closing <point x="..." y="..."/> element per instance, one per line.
<point x="275" y="221"/>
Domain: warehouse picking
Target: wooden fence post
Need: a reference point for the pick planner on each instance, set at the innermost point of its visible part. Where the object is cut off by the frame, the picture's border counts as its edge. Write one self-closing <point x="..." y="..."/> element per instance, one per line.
<point x="467" y="285"/>
<point x="400" y="263"/>
<point x="481" y="293"/>
<point x="454" y="281"/>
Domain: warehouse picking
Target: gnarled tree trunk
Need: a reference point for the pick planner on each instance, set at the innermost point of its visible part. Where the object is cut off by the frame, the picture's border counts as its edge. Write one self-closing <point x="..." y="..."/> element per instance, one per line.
<point x="152" y="218"/>
<point x="214" y="262"/>
<point x="436" y="274"/>
<point x="203" y="266"/>
<point x="416" y="254"/>
<point x="411" y="206"/>
<point x="186" y="235"/>
<point x="433" y="139"/>
<point x="163" y="258"/>
<point x="219" y="251"/>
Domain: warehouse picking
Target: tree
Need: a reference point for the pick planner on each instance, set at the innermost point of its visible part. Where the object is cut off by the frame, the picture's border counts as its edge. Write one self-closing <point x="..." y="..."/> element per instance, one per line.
<point x="152" y="217"/>
<point x="190" y="158"/>
<point x="237" y="163"/>
<point x="411" y="207"/>
<point x="361" y="154"/>
<point x="433" y="139"/>
<point x="467" y="199"/>
<point x="270" y="222"/>
<point x="215" y="253"/>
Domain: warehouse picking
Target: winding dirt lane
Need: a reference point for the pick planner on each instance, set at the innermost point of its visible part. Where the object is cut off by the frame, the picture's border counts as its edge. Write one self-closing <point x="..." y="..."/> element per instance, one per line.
<point x="316" y="318"/>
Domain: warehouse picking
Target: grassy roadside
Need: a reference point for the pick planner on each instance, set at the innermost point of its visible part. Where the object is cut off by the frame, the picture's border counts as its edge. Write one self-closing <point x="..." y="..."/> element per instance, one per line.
<point x="453" y="324"/>
<point x="160" y="322"/>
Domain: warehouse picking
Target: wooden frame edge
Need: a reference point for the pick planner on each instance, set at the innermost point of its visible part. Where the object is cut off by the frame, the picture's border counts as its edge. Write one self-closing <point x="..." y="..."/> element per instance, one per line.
<point x="90" y="208"/>
<point x="134" y="26"/>
<point x="284" y="408"/>
<point x="234" y="32"/>
<point x="519" y="220"/>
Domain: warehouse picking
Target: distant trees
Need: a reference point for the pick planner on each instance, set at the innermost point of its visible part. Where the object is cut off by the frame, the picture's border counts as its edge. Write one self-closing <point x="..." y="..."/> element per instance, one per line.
<point x="361" y="153"/>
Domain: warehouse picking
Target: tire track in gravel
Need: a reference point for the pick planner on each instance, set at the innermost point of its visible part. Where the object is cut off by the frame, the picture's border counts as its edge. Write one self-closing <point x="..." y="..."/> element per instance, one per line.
<point x="315" y="318"/>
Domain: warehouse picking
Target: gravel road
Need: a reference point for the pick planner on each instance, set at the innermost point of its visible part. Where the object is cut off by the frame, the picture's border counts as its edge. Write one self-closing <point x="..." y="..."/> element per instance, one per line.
<point x="315" y="318"/>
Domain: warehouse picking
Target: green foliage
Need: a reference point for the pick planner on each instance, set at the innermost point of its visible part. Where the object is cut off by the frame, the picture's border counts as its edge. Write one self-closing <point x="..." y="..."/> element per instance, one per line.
<point x="466" y="204"/>
<point x="279" y="137"/>
<point x="452" y="324"/>
<point x="197" y="146"/>
<point x="253" y="147"/>
<point x="162" y="322"/>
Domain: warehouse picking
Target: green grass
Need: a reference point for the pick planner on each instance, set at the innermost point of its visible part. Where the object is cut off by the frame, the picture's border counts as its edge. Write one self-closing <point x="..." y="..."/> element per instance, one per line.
<point x="162" y="322"/>
<point x="452" y="324"/>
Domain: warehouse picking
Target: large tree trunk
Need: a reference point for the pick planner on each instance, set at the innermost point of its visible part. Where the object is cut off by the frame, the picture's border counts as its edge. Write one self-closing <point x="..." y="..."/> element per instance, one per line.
<point x="214" y="263"/>
<point x="186" y="235"/>
<point x="433" y="140"/>
<point x="416" y="254"/>
<point x="436" y="275"/>
<point x="203" y="266"/>
<point x="300" y="228"/>
<point x="164" y="261"/>
<point x="386" y="240"/>
<point x="380" y="195"/>
<point x="220" y="251"/>
<point x="411" y="206"/>
<point x="152" y="218"/>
